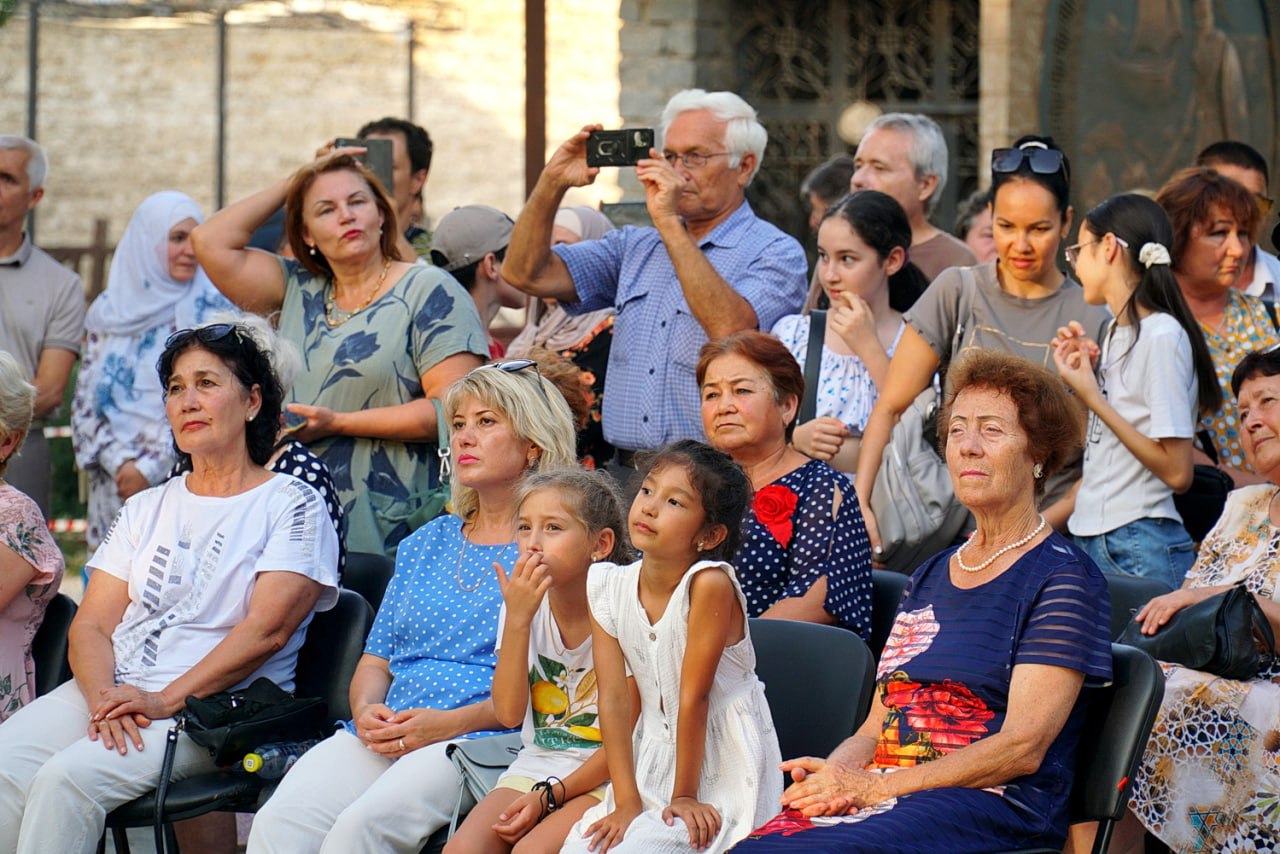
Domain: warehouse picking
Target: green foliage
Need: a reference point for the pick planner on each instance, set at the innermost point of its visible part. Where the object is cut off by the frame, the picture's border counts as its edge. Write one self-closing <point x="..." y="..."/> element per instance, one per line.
<point x="7" y="8"/>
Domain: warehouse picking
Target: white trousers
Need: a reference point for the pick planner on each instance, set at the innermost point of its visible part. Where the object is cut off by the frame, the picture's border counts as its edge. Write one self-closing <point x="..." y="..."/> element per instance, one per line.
<point x="57" y="786"/>
<point x="342" y="798"/>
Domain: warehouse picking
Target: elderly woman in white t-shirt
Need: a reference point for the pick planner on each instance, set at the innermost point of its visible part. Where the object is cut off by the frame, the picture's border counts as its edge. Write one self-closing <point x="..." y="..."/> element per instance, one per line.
<point x="201" y="585"/>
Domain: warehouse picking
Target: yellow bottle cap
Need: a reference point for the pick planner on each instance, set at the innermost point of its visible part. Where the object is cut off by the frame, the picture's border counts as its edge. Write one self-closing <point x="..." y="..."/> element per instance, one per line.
<point x="252" y="762"/>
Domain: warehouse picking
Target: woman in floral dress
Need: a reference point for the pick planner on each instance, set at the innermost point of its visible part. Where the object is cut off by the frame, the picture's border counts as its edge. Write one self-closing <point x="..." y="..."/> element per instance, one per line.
<point x="805" y="554"/>
<point x="1210" y="779"/>
<point x="30" y="562"/>
<point x="970" y="743"/>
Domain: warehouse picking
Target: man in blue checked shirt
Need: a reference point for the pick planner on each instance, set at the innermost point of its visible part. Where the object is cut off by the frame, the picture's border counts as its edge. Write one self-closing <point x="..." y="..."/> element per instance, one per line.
<point x="707" y="268"/>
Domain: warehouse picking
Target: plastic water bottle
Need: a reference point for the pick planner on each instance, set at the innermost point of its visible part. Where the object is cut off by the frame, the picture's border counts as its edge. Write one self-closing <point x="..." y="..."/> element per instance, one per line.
<point x="271" y="761"/>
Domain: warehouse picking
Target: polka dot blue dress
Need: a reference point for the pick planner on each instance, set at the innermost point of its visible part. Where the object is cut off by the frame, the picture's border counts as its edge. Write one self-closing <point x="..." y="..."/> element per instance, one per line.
<point x="792" y="537"/>
<point x="438" y="624"/>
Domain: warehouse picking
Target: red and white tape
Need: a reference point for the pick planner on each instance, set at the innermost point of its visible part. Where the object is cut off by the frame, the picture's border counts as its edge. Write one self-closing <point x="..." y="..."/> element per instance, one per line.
<point x="68" y="526"/>
<point x="57" y="432"/>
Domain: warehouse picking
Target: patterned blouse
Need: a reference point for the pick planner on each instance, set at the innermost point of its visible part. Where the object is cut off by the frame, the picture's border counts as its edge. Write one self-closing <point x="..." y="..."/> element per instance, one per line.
<point x="1245" y="327"/>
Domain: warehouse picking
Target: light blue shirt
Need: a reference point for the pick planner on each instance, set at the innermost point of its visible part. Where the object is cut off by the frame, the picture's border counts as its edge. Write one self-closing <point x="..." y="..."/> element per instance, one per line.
<point x="651" y="395"/>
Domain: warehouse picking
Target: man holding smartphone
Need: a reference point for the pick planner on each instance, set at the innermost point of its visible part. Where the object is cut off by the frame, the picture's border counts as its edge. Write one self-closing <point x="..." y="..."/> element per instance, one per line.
<point x="411" y="150"/>
<point x="707" y="268"/>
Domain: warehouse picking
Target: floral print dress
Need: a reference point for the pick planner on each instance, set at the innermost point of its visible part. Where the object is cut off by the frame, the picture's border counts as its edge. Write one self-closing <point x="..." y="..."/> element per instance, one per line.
<point x="24" y="532"/>
<point x="803" y="526"/>
<point x="1245" y="327"/>
<point x="376" y="359"/>
<point x="1210" y="778"/>
<point x="944" y="682"/>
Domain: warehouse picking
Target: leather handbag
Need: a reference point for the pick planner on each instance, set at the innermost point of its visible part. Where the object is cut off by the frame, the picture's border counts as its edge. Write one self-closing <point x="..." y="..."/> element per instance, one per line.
<point x="915" y="506"/>
<point x="1227" y="635"/>
<point x="480" y="762"/>
<point x="229" y="724"/>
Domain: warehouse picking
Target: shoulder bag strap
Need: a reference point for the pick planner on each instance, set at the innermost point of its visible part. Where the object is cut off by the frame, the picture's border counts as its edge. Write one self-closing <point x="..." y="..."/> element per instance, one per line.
<point x="812" y="366"/>
<point x="162" y="785"/>
<point x="442" y="442"/>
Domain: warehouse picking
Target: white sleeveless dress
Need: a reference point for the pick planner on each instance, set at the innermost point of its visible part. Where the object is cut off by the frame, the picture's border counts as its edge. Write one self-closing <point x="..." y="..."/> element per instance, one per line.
<point x="740" y="775"/>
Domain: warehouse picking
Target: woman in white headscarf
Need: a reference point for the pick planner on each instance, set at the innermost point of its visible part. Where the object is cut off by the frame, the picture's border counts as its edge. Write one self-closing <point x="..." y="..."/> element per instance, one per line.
<point x="121" y="435"/>
<point x="583" y="339"/>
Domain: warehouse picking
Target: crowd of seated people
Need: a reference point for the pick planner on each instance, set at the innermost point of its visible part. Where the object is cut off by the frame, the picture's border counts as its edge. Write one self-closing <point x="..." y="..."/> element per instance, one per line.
<point x="1076" y="402"/>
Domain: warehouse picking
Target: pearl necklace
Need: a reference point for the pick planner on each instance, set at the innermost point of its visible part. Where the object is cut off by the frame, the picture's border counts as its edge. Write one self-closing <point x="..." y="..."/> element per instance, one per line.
<point x="335" y="316"/>
<point x="986" y="563"/>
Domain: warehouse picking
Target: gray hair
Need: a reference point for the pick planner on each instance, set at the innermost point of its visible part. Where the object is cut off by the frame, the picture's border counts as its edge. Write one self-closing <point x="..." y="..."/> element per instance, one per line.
<point x="283" y="354"/>
<point x="17" y="400"/>
<point x="538" y="414"/>
<point x="37" y="160"/>
<point x="743" y="132"/>
<point x="928" y="149"/>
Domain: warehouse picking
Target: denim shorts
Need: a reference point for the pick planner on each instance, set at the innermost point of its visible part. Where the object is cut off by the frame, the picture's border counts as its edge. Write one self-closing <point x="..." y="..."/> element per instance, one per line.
<point x="1151" y="548"/>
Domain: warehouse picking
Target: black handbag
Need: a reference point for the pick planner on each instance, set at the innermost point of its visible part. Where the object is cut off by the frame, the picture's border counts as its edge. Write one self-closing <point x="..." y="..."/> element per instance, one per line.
<point x="229" y="724"/>
<point x="1227" y="635"/>
<point x="1202" y="503"/>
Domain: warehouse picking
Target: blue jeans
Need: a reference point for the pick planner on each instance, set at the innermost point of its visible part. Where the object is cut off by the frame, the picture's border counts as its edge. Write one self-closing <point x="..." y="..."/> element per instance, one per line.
<point x="1151" y="548"/>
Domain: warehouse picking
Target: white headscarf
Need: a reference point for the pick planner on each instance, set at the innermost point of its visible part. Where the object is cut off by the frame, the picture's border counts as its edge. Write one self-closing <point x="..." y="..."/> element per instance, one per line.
<point x="140" y="293"/>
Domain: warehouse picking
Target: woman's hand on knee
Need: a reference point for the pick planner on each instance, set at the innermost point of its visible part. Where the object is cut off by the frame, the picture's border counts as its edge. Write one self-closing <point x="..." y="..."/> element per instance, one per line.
<point x="124" y="700"/>
<point x="410" y="729"/>
<point x="116" y="733"/>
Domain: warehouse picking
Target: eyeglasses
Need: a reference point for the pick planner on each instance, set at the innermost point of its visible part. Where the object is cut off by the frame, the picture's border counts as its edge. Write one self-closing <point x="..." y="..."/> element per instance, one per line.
<point x="1043" y="161"/>
<point x="515" y="366"/>
<point x="204" y="334"/>
<point x="1073" y="252"/>
<point x="692" y="159"/>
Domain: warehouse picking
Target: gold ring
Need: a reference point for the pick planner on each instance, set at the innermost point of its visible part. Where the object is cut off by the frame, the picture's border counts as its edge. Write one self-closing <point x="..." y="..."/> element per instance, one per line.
<point x="402" y="743"/>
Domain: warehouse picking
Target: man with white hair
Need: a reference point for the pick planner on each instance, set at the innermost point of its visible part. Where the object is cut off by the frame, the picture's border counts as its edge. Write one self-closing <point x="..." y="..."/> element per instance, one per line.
<point x="904" y="155"/>
<point x="707" y="268"/>
<point x="41" y="308"/>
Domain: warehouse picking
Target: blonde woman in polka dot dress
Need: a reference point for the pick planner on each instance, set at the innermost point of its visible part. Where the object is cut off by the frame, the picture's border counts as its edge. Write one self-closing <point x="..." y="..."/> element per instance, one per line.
<point x="383" y="781"/>
<point x="805" y="554"/>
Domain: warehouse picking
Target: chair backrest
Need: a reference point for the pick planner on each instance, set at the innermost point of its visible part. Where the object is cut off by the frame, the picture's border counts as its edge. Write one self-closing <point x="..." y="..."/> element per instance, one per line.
<point x="328" y="658"/>
<point x="368" y="574"/>
<point x="1128" y="594"/>
<point x="1113" y="739"/>
<point x="818" y="681"/>
<point x="49" y="647"/>
<point x="886" y="593"/>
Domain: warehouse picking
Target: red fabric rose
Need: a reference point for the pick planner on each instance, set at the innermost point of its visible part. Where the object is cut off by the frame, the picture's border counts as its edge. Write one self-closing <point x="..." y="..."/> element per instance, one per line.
<point x="787" y="822"/>
<point x="773" y="506"/>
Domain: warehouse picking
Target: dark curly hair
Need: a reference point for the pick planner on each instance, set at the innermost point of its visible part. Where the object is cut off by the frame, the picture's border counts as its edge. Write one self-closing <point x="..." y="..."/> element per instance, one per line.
<point x="251" y="366"/>
<point x="721" y="484"/>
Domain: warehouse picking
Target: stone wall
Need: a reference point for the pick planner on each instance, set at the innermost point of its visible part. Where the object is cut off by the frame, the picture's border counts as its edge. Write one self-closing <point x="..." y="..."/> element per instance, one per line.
<point x="127" y="108"/>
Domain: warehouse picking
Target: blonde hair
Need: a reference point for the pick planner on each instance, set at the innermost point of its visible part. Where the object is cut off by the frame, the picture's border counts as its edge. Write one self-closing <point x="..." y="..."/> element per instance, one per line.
<point x="17" y="401"/>
<point x="534" y="406"/>
<point x="592" y="497"/>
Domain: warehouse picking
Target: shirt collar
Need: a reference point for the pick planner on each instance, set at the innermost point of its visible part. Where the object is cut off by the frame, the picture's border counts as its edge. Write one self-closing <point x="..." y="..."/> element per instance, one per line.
<point x="732" y="230"/>
<point x="20" y="257"/>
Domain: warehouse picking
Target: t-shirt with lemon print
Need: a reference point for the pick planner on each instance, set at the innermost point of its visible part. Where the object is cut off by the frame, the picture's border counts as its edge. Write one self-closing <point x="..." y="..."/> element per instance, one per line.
<point x="562" y="724"/>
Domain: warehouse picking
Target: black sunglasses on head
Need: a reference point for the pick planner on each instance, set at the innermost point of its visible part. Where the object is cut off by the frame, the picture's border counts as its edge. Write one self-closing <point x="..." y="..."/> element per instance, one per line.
<point x="513" y="366"/>
<point x="1043" y="161"/>
<point x="204" y="334"/>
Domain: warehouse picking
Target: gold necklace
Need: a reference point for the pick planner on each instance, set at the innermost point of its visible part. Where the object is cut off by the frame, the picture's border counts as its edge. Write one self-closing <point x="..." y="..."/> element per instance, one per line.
<point x="457" y="570"/>
<point x="335" y="316"/>
<point x="986" y="563"/>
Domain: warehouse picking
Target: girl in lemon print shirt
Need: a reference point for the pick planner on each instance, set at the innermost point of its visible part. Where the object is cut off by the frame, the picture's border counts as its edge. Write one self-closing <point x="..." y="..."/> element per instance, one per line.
<point x="545" y="679"/>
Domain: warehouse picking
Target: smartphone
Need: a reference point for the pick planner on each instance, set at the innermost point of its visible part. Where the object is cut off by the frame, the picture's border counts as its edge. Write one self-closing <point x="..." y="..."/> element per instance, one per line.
<point x="377" y="157"/>
<point x="625" y="147"/>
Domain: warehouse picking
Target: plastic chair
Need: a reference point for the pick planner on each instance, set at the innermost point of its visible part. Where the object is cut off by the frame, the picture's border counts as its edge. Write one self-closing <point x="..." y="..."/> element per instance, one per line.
<point x="818" y="681"/>
<point x="326" y="663"/>
<point x="886" y="594"/>
<point x="1128" y="594"/>
<point x="368" y="574"/>
<point x="1112" y="741"/>
<point x="49" y="646"/>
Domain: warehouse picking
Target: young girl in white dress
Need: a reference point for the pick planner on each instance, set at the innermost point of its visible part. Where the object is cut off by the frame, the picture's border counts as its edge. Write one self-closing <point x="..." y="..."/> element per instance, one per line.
<point x="1153" y="373"/>
<point x="869" y="281"/>
<point x="545" y="680"/>
<point x="699" y="769"/>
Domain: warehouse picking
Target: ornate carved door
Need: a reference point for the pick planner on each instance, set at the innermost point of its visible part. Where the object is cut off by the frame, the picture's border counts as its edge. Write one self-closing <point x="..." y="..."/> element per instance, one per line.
<point x="802" y="62"/>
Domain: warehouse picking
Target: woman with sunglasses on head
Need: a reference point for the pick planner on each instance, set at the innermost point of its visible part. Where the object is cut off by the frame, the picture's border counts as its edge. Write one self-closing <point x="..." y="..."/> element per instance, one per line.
<point x="121" y="438"/>
<point x="383" y="782"/>
<point x="1015" y="304"/>
<point x="379" y="336"/>
<point x="1153" y="374"/>
<point x="1213" y="221"/>
<point x="201" y="585"/>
